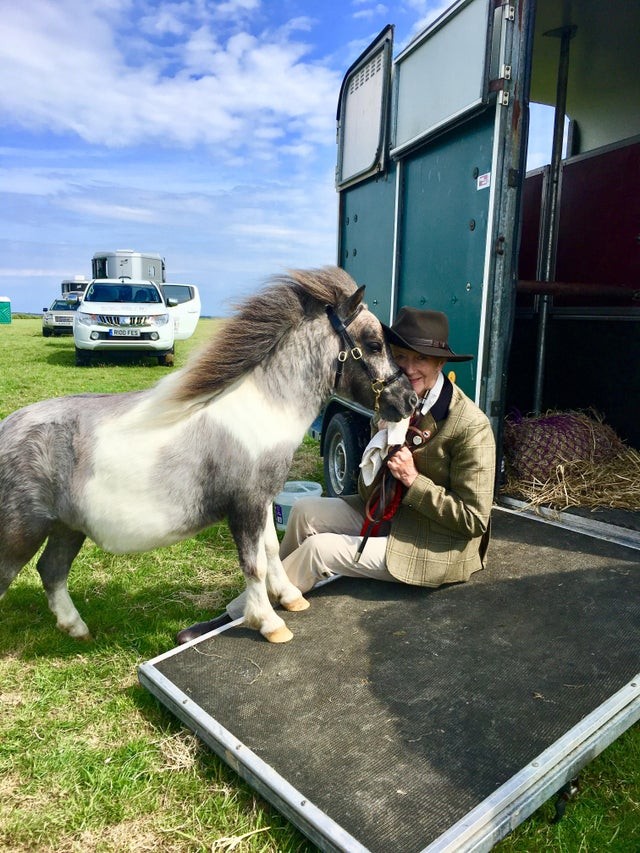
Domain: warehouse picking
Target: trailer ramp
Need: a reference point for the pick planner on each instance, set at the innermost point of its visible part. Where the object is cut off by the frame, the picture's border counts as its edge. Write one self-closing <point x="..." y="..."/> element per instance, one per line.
<point x="409" y="719"/>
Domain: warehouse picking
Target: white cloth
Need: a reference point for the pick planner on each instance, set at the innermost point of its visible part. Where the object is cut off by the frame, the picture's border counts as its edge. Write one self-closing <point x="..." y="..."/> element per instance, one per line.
<point x="388" y="436"/>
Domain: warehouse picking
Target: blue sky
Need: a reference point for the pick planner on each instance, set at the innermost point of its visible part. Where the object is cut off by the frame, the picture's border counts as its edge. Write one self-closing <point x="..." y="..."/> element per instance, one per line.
<point x="201" y="130"/>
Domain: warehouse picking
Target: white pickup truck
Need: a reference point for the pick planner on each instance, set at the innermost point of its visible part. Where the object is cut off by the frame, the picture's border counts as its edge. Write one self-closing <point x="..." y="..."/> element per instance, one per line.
<point x="133" y="315"/>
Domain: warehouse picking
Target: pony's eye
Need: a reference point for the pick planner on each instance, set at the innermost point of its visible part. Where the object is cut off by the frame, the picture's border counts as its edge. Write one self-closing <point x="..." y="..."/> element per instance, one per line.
<point x="374" y="346"/>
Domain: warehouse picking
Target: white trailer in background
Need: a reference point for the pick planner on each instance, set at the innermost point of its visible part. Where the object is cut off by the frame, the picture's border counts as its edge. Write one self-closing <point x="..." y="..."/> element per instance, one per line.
<point x="77" y="284"/>
<point x="125" y="262"/>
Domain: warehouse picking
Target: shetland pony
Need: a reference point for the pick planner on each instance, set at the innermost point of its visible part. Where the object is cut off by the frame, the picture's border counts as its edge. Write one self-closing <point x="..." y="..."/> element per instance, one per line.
<point x="140" y="470"/>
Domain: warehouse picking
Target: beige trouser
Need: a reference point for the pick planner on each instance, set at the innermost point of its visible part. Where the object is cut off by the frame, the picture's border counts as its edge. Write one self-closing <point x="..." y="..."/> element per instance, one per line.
<point x="321" y="540"/>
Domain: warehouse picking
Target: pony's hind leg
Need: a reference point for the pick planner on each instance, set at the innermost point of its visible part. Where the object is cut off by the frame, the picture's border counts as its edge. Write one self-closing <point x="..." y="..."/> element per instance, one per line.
<point x="17" y="547"/>
<point x="279" y="587"/>
<point x="9" y="568"/>
<point x="54" y="564"/>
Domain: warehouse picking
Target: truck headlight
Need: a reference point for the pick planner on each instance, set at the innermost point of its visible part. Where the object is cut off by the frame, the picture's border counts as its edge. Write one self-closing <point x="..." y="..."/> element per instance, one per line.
<point x="159" y="320"/>
<point x="86" y="319"/>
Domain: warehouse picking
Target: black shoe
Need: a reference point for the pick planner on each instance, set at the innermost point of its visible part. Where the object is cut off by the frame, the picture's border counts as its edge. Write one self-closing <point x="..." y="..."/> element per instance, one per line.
<point x="200" y="628"/>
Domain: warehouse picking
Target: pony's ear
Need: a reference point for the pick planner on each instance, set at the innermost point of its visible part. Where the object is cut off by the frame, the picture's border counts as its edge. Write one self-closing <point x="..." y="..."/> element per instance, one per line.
<point x="350" y="305"/>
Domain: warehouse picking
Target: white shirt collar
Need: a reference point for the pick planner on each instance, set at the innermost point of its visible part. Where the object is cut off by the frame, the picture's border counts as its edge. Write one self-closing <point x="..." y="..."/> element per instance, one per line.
<point x="432" y="395"/>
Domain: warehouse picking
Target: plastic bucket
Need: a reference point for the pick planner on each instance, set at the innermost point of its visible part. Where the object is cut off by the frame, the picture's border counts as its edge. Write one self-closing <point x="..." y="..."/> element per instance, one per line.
<point x="292" y="492"/>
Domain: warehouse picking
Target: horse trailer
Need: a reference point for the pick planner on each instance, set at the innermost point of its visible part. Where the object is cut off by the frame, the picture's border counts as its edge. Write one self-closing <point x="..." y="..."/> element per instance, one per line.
<point x="76" y="285"/>
<point x="416" y="719"/>
<point x="538" y="271"/>
<point x="125" y="262"/>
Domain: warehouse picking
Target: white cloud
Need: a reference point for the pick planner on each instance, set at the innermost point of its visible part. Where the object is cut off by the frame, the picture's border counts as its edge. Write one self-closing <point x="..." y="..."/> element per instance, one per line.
<point x="66" y="70"/>
<point x="199" y="129"/>
<point x="371" y="11"/>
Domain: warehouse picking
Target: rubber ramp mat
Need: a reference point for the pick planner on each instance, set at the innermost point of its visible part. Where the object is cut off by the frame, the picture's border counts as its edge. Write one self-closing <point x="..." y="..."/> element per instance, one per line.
<point x="396" y="710"/>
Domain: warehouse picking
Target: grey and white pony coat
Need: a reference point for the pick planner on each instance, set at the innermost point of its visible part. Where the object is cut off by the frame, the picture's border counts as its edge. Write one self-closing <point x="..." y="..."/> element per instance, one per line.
<point x="137" y="471"/>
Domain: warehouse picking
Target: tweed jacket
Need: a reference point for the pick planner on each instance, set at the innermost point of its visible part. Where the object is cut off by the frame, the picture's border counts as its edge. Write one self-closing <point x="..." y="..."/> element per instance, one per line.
<point x="440" y="532"/>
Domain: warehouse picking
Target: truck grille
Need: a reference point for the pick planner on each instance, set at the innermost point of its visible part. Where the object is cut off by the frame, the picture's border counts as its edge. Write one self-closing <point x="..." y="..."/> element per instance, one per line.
<point x="117" y="320"/>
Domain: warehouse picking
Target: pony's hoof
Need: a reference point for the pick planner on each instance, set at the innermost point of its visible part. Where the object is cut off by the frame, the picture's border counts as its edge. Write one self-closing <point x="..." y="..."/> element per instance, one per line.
<point x="280" y="635"/>
<point x="78" y="632"/>
<point x="296" y="605"/>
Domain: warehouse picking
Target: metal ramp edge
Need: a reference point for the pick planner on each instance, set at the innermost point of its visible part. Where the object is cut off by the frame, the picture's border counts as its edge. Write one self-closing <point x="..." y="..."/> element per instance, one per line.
<point x="485" y="825"/>
<point x="312" y="821"/>
<point x="540" y="780"/>
<point x="587" y="526"/>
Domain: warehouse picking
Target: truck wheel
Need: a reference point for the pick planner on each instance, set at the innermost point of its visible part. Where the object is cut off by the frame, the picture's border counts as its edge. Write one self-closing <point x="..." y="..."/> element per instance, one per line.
<point x="342" y="453"/>
<point x="46" y="333"/>
<point x="83" y="357"/>
<point x="166" y="359"/>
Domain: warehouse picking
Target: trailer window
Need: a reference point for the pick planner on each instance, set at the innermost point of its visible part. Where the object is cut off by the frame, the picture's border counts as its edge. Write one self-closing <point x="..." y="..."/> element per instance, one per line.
<point x="444" y="74"/>
<point x="362" y="112"/>
<point x="99" y="268"/>
<point x="541" y="119"/>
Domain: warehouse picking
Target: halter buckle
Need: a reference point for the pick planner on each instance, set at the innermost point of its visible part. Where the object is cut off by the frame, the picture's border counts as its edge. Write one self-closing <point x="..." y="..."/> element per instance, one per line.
<point x="377" y="386"/>
<point x="356" y="353"/>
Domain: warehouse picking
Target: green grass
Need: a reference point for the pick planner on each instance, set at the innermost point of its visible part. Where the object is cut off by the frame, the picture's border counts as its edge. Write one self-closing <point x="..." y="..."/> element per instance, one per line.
<point x="89" y="761"/>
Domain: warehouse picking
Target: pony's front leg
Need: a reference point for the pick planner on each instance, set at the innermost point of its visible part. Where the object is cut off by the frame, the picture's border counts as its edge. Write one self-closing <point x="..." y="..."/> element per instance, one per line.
<point x="258" y="612"/>
<point x="279" y="587"/>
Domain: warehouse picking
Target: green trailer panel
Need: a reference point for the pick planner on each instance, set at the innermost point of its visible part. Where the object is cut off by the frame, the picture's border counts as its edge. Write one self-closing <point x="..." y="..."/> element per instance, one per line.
<point x="366" y="239"/>
<point x="446" y="192"/>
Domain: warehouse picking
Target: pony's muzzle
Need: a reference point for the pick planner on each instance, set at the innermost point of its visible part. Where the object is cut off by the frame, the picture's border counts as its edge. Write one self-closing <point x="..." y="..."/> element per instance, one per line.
<point x="399" y="401"/>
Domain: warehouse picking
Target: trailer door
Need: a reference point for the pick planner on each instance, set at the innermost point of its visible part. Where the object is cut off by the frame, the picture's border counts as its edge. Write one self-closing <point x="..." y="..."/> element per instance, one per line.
<point x="450" y="190"/>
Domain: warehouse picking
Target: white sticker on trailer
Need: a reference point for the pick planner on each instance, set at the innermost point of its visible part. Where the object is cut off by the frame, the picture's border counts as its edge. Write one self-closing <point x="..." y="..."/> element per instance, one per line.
<point x="484" y="181"/>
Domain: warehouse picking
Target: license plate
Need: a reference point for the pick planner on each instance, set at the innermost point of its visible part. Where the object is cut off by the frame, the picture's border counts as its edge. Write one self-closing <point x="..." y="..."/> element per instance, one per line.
<point x="124" y="333"/>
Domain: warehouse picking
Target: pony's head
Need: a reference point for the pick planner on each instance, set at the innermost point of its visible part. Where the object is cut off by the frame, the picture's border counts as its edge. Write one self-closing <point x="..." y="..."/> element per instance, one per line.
<point x="290" y="322"/>
<point x="365" y="368"/>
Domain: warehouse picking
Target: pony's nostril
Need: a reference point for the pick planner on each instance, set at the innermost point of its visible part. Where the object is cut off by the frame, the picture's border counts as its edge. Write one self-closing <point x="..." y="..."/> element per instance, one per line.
<point x="413" y="400"/>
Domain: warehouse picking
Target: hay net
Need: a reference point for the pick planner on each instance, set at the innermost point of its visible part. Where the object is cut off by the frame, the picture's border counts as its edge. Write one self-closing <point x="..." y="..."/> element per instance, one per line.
<point x="564" y="459"/>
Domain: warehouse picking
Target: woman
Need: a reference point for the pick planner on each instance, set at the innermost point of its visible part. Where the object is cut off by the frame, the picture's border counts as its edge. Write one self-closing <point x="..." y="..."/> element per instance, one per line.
<point x="431" y="525"/>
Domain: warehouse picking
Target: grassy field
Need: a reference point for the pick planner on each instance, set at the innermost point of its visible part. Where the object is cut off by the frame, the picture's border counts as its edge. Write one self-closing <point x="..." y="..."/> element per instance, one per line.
<point x="89" y="761"/>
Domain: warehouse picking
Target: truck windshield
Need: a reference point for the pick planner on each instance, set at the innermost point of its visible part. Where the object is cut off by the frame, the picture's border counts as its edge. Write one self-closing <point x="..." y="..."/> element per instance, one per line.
<point x="63" y="305"/>
<point x="122" y="293"/>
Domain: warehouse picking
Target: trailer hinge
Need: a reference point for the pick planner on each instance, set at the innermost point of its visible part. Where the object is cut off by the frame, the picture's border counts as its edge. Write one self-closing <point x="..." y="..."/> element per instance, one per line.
<point x="509" y="13"/>
<point x="499" y="85"/>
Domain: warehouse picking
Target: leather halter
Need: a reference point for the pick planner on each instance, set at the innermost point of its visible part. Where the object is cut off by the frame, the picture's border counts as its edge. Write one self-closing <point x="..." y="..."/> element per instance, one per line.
<point x="352" y="349"/>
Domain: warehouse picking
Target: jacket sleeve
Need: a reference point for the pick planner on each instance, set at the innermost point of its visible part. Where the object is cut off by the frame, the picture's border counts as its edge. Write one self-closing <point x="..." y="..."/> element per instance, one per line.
<point x="459" y="500"/>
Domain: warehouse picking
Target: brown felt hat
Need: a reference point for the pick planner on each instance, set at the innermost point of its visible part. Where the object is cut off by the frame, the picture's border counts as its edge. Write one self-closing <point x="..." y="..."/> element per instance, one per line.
<point x="426" y="332"/>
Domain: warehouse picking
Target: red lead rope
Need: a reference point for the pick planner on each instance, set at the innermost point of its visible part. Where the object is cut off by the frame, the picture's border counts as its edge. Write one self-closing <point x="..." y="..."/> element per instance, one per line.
<point x="381" y="505"/>
<point x="387" y="493"/>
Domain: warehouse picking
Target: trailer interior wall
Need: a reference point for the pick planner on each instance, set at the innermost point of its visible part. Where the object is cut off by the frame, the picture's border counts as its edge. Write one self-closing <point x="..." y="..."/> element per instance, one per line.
<point x="593" y="333"/>
<point x="603" y="95"/>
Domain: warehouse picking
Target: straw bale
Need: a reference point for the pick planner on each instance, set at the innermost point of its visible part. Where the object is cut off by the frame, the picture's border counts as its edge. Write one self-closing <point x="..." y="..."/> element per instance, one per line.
<point x="564" y="459"/>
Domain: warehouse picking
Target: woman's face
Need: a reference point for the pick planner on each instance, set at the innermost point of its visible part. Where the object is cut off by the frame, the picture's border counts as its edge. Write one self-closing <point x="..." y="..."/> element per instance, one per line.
<point x="421" y="370"/>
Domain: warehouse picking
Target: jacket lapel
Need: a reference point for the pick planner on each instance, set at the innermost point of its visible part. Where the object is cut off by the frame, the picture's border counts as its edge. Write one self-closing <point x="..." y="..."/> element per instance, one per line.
<point x="438" y="412"/>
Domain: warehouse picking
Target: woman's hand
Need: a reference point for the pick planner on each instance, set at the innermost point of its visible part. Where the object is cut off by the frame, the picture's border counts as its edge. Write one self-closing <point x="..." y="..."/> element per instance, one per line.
<point x="402" y="466"/>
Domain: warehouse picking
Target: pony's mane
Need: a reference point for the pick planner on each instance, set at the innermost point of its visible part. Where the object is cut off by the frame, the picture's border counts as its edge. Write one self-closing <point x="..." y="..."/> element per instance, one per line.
<point x="260" y="323"/>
